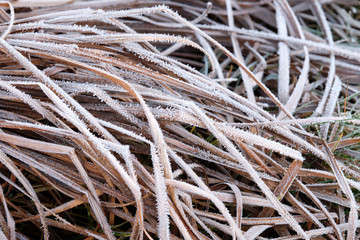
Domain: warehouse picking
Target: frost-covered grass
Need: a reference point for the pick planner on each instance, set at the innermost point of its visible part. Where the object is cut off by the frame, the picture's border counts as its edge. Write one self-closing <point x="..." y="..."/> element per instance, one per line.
<point x="179" y="120"/>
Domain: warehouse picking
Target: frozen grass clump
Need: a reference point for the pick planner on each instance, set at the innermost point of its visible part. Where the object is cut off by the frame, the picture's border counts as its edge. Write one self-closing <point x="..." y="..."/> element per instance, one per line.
<point x="190" y="120"/>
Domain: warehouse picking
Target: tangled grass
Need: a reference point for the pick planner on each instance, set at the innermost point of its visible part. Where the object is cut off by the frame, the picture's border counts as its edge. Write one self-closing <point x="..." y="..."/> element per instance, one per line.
<point x="189" y="120"/>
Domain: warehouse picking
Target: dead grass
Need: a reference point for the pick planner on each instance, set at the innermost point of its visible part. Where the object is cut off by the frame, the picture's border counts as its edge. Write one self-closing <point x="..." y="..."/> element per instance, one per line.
<point x="188" y="120"/>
